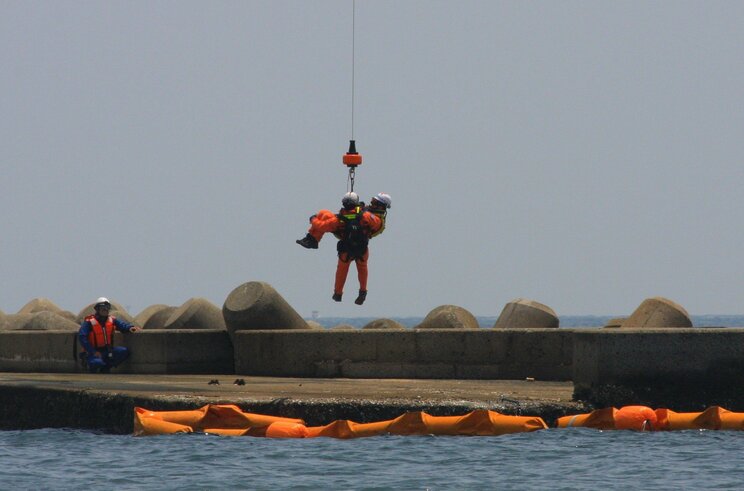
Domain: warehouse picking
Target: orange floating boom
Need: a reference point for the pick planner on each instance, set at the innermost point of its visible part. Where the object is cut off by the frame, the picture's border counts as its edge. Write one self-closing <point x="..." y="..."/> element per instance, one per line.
<point x="229" y="420"/>
<point x="641" y="418"/>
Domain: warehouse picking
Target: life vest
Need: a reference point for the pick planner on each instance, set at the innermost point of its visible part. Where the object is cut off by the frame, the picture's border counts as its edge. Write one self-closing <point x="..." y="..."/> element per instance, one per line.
<point x="101" y="336"/>
<point x="354" y="237"/>
<point x="381" y="213"/>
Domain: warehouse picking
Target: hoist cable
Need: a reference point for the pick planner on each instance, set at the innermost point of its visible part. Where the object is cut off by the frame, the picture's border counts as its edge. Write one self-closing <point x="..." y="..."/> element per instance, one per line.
<point x="353" y="53"/>
<point x="352" y="158"/>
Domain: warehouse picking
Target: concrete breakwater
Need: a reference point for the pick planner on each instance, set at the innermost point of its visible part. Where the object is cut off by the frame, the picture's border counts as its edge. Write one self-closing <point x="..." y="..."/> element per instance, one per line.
<point x="651" y="357"/>
<point x="94" y="401"/>
<point x="542" y="354"/>
<point x="683" y="369"/>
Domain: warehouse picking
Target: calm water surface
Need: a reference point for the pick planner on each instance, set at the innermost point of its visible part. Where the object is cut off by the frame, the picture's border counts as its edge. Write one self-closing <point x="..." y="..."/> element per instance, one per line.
<point x="552" y="459"/>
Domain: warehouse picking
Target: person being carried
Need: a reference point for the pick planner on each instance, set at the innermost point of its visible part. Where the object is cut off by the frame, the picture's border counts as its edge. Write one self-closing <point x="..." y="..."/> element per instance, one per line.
<point x="353" y="226"/>
<point x="326" y="221"/>
<point x="379" y="205"/>
<point x="96" y="336"/>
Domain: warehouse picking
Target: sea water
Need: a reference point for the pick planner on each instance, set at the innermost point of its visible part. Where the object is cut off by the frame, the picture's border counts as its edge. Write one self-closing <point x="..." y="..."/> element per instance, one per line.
<point x="575" y="458"/>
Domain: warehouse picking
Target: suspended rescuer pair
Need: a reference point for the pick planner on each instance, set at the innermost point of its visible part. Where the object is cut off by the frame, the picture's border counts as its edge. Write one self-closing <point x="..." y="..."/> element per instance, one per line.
<point x="353" y="226"/>
<point x="96" y="336"/>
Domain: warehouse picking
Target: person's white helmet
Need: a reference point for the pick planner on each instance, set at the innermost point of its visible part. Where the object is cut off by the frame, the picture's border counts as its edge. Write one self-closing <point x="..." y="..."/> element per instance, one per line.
<point x="385" y="199"/>
<point x="350" y="200"/>
<point x="102" y="301"/>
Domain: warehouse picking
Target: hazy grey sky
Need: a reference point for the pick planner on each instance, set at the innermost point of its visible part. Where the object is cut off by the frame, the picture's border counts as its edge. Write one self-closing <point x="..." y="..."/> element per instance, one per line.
<point x="586" y="155"/>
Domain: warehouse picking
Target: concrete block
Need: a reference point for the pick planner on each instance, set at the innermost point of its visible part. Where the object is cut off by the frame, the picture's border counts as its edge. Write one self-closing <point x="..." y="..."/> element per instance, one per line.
<point x="39" y="305"/>
<point x="383" y="324"/>
<point x="658" y="312"/>
<point x="266" y="353"/>
<point x="49" y="321"/>
<point x="342" y="327"/>
<point x="395" y="346"/>
<point x="196" y="313"/>
<point x="256" y="305"/>
<point x="183" y="351"/>
<point x="533" y="345"/>
<point x="615" y="322"/>
<point x="14" y="322"/>
<point x="436" y="353"/>
<point x="441" y="346"/>
<point x="665" y="366"/>
<point x="543" y="354"/>
<point x="117" y="310"/>
<point x="155" y="352"/>
<point x="69" y="316"/>
<point x="524" y="313"/>
<point x="38" y="321"/>
<point x="449" y="317"/>
<point x="38" y="351"/>
<point x="142" y="318"/>
<point x="481" y="347"/>
<point x="158" y="318"/>
<point x="342" y="345"/>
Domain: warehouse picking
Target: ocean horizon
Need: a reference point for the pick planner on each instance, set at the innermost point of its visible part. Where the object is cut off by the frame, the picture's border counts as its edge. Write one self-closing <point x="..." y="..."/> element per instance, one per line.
<point x="486" y="321"/>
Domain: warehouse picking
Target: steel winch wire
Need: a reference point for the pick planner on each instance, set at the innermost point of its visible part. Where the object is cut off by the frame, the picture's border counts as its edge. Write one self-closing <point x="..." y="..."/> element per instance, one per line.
<point x="352" y="169"/>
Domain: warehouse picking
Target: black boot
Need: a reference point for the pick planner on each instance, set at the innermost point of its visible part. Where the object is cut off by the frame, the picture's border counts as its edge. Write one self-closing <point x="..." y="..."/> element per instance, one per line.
<point x="361" y="298"/>
<point x="308" y="242"/>
<point x="336" y="297"/>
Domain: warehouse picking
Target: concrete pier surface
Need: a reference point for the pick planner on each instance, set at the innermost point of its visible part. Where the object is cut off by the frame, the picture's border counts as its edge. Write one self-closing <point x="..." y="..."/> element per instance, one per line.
<point x="105" y="402"/>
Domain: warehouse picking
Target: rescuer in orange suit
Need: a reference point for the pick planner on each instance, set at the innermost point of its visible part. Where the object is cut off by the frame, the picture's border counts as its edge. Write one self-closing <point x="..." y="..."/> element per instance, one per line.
<point x="353" y="226"/>
<point x="326" y="221"/>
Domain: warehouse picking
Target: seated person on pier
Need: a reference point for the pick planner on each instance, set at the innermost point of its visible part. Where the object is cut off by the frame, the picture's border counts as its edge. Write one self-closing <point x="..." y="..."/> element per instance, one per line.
<point x="96" y="336"/>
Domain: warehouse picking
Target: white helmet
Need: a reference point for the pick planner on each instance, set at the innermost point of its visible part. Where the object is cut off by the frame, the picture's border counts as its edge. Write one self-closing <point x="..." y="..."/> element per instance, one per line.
<point x="385" y="199"/>
<point x="101" y="302"/>
<point x="350" y="200"/>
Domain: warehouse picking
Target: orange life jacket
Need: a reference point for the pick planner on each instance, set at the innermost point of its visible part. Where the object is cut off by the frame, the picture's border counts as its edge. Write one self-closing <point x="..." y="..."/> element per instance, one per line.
<point x="380" y="213"/>
<point x="101" y="336"/>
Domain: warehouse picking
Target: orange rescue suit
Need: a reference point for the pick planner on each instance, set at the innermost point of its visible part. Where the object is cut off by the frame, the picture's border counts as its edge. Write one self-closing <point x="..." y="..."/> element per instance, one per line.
<point x="327" y="221"/>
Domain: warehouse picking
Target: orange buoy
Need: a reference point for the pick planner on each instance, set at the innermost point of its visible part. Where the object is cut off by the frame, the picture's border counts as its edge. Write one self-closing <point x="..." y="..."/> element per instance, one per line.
<point x="352" y="158"/>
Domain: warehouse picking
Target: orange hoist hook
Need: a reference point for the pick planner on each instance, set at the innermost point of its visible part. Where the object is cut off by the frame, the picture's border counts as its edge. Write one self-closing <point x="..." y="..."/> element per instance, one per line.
<point x="352" y="159"/>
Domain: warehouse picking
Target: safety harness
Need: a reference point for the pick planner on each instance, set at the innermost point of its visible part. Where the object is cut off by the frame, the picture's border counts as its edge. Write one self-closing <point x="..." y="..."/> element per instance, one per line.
<point x="354" y="238"/>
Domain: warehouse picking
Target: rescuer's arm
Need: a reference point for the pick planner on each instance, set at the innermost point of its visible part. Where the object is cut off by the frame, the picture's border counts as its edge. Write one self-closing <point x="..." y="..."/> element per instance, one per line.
<point x="371" y="222"/>
<point x="124" y="326"/>
<point x="83" y="338"/>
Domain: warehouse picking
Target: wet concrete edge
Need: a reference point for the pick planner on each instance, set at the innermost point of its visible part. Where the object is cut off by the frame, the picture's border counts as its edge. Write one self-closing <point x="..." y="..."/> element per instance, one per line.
<point x="32" y="408"/>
